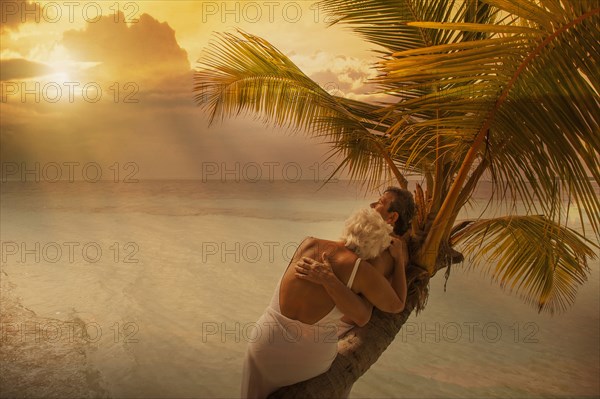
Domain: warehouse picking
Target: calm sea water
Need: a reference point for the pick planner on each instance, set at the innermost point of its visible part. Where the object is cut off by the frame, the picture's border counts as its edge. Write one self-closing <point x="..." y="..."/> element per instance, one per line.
<point x="150" y="290"/>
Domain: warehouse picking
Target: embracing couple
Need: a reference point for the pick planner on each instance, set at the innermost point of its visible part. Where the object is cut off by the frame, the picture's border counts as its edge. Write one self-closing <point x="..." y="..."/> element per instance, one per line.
<point x="331" y="287"/>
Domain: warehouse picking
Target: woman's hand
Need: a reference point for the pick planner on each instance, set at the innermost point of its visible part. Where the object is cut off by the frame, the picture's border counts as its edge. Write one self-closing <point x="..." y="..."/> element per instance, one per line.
<point x="315" y="271"/>
<point x="353" y="306"/>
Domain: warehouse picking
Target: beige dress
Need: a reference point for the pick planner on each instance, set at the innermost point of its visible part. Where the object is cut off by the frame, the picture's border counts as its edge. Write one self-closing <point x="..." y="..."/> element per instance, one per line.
<point x="284" y="351"/>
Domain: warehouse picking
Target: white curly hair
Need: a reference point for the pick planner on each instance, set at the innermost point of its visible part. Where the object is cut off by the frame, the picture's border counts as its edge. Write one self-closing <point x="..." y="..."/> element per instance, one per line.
<point x="366" y="233"/>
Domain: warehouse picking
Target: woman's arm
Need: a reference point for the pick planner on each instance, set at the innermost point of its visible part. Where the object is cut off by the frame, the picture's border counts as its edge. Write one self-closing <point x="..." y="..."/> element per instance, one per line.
<point x="399" y="252"/>
<point x="353" y="306"/>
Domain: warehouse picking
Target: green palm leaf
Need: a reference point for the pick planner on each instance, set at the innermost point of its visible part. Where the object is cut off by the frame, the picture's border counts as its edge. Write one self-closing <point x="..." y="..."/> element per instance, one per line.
<point x="543" y="260"/>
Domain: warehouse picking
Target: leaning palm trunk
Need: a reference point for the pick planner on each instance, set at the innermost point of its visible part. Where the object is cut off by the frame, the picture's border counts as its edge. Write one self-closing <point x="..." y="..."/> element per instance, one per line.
<point x="357" y="351"/>
<point x="360" y="348"/>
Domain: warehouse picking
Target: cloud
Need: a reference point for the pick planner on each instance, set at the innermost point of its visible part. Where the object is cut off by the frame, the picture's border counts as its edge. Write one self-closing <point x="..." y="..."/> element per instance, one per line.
<point x="146" y="50"/>
<point x="338" y="74"/>
<point x="15" y="13"/>
<point x="143" y="58"/>
<point x="20" y="68"/>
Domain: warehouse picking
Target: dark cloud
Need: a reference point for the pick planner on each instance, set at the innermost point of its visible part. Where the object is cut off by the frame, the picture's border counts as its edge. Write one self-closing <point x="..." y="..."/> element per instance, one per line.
<point x="19" y="68"/>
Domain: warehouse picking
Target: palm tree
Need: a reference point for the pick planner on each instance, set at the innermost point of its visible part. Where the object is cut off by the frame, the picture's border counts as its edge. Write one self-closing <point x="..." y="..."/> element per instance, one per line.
<point x="504" y="89"/>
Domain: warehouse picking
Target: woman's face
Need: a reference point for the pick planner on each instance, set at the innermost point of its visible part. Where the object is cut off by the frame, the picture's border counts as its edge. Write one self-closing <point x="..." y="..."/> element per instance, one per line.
<point x="382" y="205"/>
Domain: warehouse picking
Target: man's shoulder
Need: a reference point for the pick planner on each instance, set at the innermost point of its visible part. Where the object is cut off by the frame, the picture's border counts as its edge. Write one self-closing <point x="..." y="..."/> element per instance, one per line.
<point x="384" y="262"/>
<point x="385" y="257"/>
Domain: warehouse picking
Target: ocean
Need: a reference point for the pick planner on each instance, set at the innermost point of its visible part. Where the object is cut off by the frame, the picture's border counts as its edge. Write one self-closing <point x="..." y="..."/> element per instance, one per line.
<point x="150" y="289"/>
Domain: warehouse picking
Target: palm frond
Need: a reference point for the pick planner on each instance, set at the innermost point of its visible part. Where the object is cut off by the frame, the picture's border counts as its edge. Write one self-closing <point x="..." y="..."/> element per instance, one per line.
<point x="546" y="262"/>
<point x="384" y="23"/>
<point x="524" y="98"/>
<point x="246" y="74"/>
<point x="243" y="73"/>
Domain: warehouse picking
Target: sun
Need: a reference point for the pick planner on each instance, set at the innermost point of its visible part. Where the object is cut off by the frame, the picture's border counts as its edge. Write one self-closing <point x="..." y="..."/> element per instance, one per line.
<point x="62" y="71"/>
<point x="61" y="77"/>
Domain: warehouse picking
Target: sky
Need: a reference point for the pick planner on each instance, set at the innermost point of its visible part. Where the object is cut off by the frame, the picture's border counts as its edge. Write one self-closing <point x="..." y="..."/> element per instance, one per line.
<point x="91" y="88"/>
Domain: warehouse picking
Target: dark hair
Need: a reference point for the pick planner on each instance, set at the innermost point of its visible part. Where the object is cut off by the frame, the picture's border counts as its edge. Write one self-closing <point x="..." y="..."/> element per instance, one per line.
<point x="404" y="205"/>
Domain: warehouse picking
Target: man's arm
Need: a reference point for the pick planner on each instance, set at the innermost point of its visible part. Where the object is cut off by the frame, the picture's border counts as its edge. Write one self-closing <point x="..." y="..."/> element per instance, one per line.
<point x="353" y="306"/>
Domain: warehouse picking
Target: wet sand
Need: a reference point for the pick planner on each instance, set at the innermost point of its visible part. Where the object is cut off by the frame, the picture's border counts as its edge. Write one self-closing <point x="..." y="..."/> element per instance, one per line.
<point x="55" y="366"/>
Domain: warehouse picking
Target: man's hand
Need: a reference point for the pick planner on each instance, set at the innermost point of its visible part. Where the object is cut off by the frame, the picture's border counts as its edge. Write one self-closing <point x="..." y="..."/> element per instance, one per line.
<point x="315" y="271"/>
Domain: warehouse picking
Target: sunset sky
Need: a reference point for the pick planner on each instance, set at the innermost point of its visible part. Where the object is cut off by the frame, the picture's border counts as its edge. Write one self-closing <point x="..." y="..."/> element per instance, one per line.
<point x="111" y="82"/>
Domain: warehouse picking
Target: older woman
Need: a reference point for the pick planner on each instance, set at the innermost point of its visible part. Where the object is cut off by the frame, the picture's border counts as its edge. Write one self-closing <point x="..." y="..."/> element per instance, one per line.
<point x="296" y="336"/>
